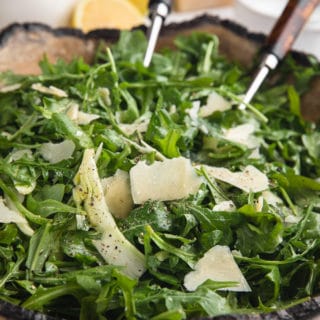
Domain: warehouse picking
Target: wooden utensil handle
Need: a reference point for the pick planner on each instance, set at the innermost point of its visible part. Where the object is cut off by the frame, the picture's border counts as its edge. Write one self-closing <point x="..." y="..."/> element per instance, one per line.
<point x="288" y="26"/>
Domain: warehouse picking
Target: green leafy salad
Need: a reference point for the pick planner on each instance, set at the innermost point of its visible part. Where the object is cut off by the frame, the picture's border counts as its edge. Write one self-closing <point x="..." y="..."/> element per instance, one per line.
<point x="146" y="193"/>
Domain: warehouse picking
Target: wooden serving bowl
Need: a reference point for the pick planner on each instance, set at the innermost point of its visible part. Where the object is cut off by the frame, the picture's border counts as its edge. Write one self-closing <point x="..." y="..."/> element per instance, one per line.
<point x="23" y="45"/>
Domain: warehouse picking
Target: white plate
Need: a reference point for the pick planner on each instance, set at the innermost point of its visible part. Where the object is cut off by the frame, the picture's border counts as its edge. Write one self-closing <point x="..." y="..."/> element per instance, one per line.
<point x="55" y="13"/>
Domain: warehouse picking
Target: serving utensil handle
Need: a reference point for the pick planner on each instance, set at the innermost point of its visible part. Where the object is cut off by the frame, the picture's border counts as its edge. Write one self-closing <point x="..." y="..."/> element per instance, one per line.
<point x="288" y="26"/>
<point x="153" y="3"/>
<point x="159" y="10"/>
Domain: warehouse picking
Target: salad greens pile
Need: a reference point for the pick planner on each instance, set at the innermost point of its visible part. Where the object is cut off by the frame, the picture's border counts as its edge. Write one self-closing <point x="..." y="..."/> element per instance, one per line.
<point x="126" y="114"/>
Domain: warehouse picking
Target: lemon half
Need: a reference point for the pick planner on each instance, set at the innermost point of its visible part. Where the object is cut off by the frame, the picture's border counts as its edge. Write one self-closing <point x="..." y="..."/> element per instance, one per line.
<point x="110" y="14"/>
<point x="142" y="5"/>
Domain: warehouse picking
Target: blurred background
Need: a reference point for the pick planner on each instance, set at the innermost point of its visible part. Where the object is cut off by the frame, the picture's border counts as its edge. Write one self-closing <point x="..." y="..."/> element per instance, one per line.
<point x="257" y="16"/>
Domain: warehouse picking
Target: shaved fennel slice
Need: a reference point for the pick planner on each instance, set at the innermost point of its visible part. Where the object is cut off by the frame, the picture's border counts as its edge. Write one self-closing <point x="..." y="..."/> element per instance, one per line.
<point x="113" y="246"/>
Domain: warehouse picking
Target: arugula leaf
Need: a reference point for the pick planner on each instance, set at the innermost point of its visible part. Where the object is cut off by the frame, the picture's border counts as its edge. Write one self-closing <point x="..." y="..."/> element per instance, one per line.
<point x="44" y="296"/>
<point x="76" y="244"/>
<point x="164" y="133"/>
<point x="40" y="246"/>
<point x="127" y="40"/>
<point x="302" y="189"/>
<point x="8" y="234"/>
<point x="47" y="207"/>
<point x="154" y="214"/>
<point x="12" y="267"/>
<point x="67" y="128"/>
<point x="311" y="142"/>
<point x="262" y="232"/>
<point x="203" y="301"/>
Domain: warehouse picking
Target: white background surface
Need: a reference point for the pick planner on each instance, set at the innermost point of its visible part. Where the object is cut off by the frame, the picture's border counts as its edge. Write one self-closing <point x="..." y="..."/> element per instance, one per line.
<point x="52" y="12"/>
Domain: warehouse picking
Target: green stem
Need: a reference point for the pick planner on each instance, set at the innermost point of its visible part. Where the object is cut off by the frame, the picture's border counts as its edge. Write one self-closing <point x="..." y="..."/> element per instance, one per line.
<point x="216" y="192"/>
<point x="304" y="222"/>
<point x="43" y="78"/>
<point x="258" y="261"/>
<point x="42" y="297"/>
<point x="288" y="200"/>
<point x="20" y="207"/>
<point x="154" y="84"/>
<point x="249" y="106"/>
<point x="13" y="267"/>
<point x="187" y="257"/>
<point x="42" y="242"/>
<point x="29" y="123"/>
<point x="207" y="58"/>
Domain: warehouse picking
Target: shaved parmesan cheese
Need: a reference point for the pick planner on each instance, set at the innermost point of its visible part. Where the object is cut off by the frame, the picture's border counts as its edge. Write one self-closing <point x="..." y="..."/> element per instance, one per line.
<point x="217" y="264"/>
<point x="86" y="118"/>
<point x="52" y="90"/>
<point x="10" y="88"/>
<point x="193" y="112"/>
<point x="118" y="194"/>
<point x="104" y="94"/>
<point x="8" y="215"/>
<point x="170" y="179"/>
<point x="255" y="154"/>
<point x="80" y="117"/>
<point x="291" y="219"/>
<point x="134" y="127"/>
<point x="140" y="125"/>
<point x="19" y="154"/>
<point x="6" y="134"/>
<point x="286" y="213"/>
<point x="73" y="111"/>
<point x="173" y="109"/>
<point x="271" y="198"/>
<point x="225" y="206"/>
<point x="25" y="189"/>
<point x="259" y="204"/>
<point x="215" y="102"/>
<point x="56" y="152"/>
<point x="249" y="180"/>
<point x="243" y="134"/>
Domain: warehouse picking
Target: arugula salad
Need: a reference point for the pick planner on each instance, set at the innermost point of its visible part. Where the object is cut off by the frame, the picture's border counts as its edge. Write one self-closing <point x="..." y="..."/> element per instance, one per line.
<point x="146" y="193"/>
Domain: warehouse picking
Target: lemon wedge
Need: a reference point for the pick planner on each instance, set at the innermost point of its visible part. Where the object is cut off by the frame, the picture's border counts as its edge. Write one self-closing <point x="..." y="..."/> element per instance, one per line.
<point x="110" y="14"/>
<point x="142" y="5"/>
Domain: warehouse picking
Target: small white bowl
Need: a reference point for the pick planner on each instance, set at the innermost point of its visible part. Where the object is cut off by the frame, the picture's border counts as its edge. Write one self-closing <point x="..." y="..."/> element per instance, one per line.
<point x="56" y="13"/>
<point x="261" y="15"/>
